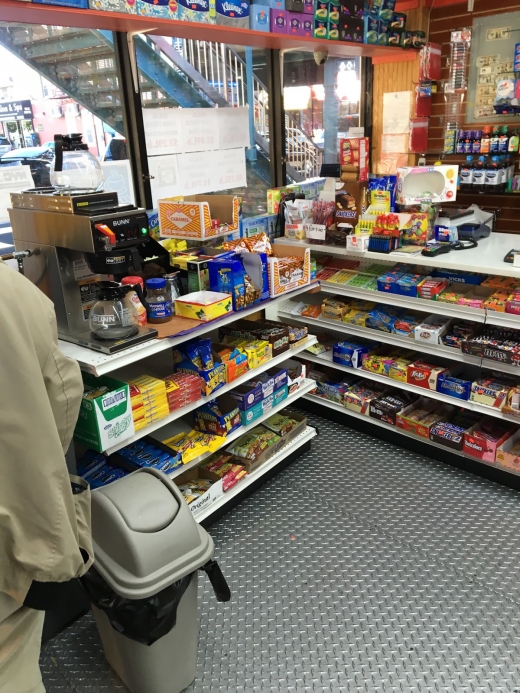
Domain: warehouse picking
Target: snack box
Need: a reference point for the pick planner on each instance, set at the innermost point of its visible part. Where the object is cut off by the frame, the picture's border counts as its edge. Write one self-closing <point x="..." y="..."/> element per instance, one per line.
<point x="273" y="424"/>
<point x="107" y="419"/>
<point x="211" y="379"/>
<point x="431" y="287"/>
<point x="350" y="353"/>
<point x="478" y="445"/>
<point x="203" y="305"/>
<point x="219" y="485"/>
<point x="476" y="297"/>
<point x="433" y="414"/>
<point x="284" y="277"/>
<point x="296" y="374"/>
<point x="277" y="334"/>
<point x="493" y="348"/>
<point x="246" y="396"/>
<point x="334" y="391"/>
<point x="497" y="302"/>
<point x="512" y="405"/>
<point x="387" y="407"/>
<point x="360" y="395"/>
<point x="191" y="216"/>
<point x="448" y="434"/>
<point x="460" y="277"/>
<point x="491" y="391"/>
<point x="104" y="475"/>
<point x="405" y="324"/>
<point x="456" y="382"/>
<point x="432" y="329"/>
<point x="271" y="380"/>
<point x="233" y="370"/>
<point x="147" y="452"/>
<point x="208" y="420"/>
<point x="248" y="416"/>
<point x="334" y="309"/>
<point x="508" y="452"/>
<point x="399" y="369"/>
<point x="256" y="447"/>
<point x="423" y="374"/>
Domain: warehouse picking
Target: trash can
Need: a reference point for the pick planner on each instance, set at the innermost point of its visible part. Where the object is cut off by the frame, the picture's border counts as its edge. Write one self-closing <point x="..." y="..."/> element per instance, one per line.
<point x="143" y="586"/>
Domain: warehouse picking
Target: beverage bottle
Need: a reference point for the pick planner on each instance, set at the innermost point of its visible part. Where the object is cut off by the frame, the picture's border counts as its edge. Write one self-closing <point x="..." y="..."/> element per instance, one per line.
<point x="459" y="148"/>
<point x="503" y="140"/>
<point x="492" y="179"/>
<point x="479" y="175"/>
<point x="133" y="301"/>
<point x="485" y="141"/>
<point x="468" y="142"/>
<point x="513" y="143"/>
<point x="466" y="175"/>
<point x="477" y="136"/>
<point x="493" y="142"/>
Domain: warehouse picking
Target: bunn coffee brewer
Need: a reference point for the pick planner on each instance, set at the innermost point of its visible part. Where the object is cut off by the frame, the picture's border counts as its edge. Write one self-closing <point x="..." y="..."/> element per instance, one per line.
<point x="77" y="240"/>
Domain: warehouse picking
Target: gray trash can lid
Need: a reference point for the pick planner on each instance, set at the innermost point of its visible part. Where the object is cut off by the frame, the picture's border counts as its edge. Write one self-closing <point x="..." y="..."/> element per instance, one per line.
<point x="144" y="535"/>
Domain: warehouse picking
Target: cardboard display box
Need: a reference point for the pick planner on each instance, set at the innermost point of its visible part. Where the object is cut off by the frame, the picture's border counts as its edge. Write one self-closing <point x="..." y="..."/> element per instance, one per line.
<point x="476" y="445"/>
<point x="419" y="428"/>
<point x="248" y="416"/>
<point x="457" y="381"/>
<point x="192" y="216"/>
<point x="107" y="419"/>
<point x="277" y="336"/>
<point x="203" y="305"/>
<point x="299" y="428"/>
<point x="350" y="202"/>
<point x="283" y="278"/>
<point x="505" y="457"/>
<point x="211" y="379"/>
<point x="218" y="488"/>
<point x="210" y="422"/>
<point x="269" y="452"/>
<point x="233" y="370"/>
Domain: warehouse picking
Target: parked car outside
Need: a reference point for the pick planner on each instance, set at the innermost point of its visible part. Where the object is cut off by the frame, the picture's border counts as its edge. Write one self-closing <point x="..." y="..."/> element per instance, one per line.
<point x="5" y="145"/>
<point x="39" y="159"/>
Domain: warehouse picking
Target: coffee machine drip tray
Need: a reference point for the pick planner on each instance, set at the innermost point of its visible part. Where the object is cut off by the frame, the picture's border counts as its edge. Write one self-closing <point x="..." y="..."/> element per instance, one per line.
<point x="109" y="346"/>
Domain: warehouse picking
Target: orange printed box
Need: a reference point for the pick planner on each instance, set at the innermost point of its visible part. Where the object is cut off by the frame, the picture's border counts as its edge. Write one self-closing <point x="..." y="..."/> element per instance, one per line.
<point x="199" y="216"/>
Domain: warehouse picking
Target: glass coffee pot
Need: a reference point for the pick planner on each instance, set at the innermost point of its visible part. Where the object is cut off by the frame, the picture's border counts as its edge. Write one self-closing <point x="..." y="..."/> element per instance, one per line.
<point x="75" y="168"/>
<point x="111" y="317"/>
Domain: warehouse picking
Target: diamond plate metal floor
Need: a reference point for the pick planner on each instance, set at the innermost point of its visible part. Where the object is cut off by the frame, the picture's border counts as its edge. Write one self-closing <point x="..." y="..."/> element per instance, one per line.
<point x="362" y="567"/>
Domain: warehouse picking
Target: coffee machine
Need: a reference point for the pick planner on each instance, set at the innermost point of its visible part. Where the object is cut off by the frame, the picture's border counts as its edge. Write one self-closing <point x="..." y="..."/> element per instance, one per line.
<point x="76" y="240"/>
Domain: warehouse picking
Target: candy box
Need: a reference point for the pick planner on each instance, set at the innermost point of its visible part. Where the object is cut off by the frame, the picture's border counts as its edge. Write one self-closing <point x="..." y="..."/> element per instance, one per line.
<point x="104" y="475"/>
<point x="378" y="361"/>
<point x="420" y="417"/>
<point x="491" y="391"/>
<point x="300" y="424"/>
<point x="246" y="395"/>
<point x="497" y="301"/>
<point x="271" y="380"/>
<point x="334" y="309"/>
<point x="405" y="324"/>
<point x="277" y="334"/>
<point x="388" y="282"/>
<point x="513" y="304"/>
<point x="382" y="318"/>
<point x="219" y="484"/>
<point x="423" y="374"/>
<point x="296" y="374"/>
<point x="454" y="293"/>
<point x="220" y="416"/>
<point x="495" y="346"/>
<point x="289" y="268"/>
<point x="333" y="390"/>
<point x="203" y="305"/>
<point x="508" y="452"/>
<point x="248" y="416"/>
<point x="460" y="277"/>
<point x="399" y="369"/>
<point x="190" y="217"/>
<point x="350" y="353"/>
<point x="432" y="329"/>
<point x="360" y="395"/>
<point x="243" y="275"/>
<point x="448" y="434"/>
<point x="234" y="369"/>
<point x="147" y="452"/>
<point x="476" y="297"/>
<point x="256" y="447"/>
<point x="105" y="420"/>
<point x="512" y="405"/>
<point x="458" y="335"/>
<point x="483" y="439"/>
<point x="457" y="381"/>
<point x="387" y="407"/>
<point x="430" y="287"/>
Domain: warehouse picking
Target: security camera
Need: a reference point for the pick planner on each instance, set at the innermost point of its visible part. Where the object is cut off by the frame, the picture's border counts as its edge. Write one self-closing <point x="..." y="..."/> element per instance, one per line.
<point x="320" y="57"/>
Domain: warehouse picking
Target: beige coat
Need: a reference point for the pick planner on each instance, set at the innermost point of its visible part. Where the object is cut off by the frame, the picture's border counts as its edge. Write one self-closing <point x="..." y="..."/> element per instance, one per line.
<point x="40" y="392"/>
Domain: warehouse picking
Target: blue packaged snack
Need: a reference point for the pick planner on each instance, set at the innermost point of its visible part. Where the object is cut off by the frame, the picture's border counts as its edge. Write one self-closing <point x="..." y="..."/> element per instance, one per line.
<point x="383" y="183"/>
<point x="383" y="318"/>
<point x="104" y="475"/>
<point x="133" y="449"/>
<point x="90" y="462"/>
<point x="350" y="353"/>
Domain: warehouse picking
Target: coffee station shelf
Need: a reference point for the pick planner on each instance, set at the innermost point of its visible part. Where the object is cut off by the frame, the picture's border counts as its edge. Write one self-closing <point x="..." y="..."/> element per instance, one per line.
<point x="487" y="257"/>
<point x="14" y="11"/>
<point x="98" y="363"/>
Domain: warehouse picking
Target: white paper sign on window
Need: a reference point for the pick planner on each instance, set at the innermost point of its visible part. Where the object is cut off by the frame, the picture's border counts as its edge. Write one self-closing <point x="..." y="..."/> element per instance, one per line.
<point x="230" y="170"/>
<point x="165" y="181"/>
<point x="162" y="128"/>
<point x="233" y="128"/>
<point x="197" y="172"/>
<point x="199" y="128"/>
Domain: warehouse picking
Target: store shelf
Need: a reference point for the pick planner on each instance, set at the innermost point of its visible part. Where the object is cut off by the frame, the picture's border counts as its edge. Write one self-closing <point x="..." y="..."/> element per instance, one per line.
<point x="389" y="338"/>
<point x="395" y="429"/>
<point x="55" y="15"/>
<point x="304" y="388"/>
<point x="432" y="394"/>
<point x="99" y="364"/>
<point x="179" y="413"/>
<point x="422" y="304"/>
<point x="291" y="447"/>
<point x="487" y="258"/>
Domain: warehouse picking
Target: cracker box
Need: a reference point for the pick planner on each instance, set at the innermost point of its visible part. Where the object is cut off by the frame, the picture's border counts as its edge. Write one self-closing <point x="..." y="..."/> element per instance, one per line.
<point x="422" y="374"/>
<point x="289" y="268"/>
<point x="416" y="184"/>
<point x="420" y="417"/>
<point x="192" y="216"/>
<point x="105" y="420"/>
<point x="508" y="453"/>
<point x="203" y="305"/>
<point x="480" y="446"/>
<point x="271" y="380"/>
<point x="207" y="418"/>
<point x="354" y="152"/>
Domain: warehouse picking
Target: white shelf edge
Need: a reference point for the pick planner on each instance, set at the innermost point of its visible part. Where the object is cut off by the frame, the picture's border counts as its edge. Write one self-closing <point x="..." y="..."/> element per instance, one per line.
<point x="300" y="440"/>
<point x="433" y="394"/>
<point x="422" y="304"/>
<point x="178" y="413"/>
<point x="387" y="338"/>
<point x="363" y="417"/>
<point x="99" y="364"/>
<point x="300" y="392"/>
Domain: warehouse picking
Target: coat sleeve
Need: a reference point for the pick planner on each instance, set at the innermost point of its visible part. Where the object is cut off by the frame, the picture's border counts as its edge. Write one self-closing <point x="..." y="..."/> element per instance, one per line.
<point x="62" y="377"/>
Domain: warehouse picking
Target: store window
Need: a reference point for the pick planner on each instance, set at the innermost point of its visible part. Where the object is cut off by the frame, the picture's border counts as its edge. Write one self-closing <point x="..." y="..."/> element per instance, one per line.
<point x="57" y="80"/>
<point x="322" y="103"/>
<point x="182" y="73"/>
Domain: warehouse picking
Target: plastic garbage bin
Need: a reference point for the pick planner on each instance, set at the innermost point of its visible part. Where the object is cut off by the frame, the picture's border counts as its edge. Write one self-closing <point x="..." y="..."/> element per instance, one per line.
<point x="143" y="587"/>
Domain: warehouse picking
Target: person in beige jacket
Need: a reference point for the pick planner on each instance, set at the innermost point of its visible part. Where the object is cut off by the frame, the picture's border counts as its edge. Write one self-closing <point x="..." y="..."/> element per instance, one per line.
<point x="43" y="523"/>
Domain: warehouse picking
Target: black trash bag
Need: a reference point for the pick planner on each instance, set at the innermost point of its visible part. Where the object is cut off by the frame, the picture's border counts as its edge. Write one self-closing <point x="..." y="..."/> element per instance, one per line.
<point x="143" y="620"/>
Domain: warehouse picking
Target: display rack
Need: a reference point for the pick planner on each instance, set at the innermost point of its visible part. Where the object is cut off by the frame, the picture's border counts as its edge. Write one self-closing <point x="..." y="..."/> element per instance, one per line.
<point x="179" y="413"/>
<point x="56" y="15"/>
